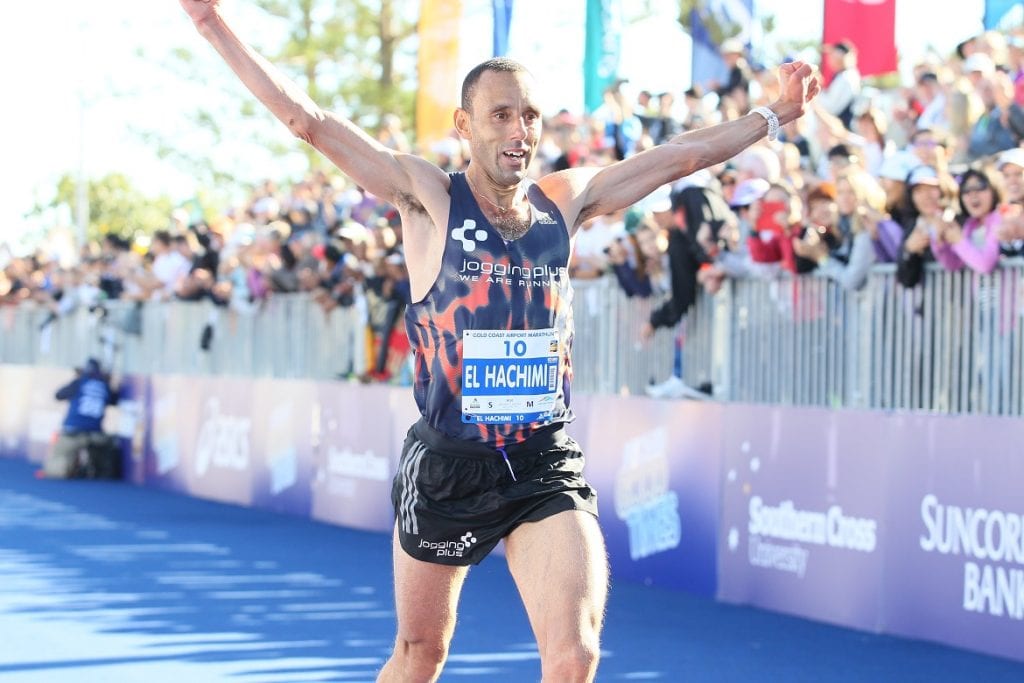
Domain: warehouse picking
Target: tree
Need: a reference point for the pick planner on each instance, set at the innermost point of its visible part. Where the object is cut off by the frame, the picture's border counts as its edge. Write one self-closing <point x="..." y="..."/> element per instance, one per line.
<point x="354" y="57"/>
<point x="116" y="207"/>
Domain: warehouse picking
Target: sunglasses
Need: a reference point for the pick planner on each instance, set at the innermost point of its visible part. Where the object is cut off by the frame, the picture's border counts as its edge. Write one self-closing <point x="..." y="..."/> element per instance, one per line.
<point x="970" y="189"/>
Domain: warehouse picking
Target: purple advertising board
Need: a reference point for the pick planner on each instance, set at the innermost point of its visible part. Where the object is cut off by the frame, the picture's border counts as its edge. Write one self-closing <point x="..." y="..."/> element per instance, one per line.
<point x="354" y="461"/>
<point x="955" y="532"/>
<point x="284" y="421"/>
<point x="172" y="420"/>
<point x="802" y="512"/>
<point x="655" y="466"/>
<point x="219" y="454"/>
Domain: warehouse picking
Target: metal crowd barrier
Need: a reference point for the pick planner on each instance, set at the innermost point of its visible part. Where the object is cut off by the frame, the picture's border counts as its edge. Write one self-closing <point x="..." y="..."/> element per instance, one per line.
<point x="950" y="345"/>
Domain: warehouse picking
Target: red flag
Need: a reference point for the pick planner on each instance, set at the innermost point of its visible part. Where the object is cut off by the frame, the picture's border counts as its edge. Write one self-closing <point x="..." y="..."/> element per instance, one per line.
<point x="870" y="25"/>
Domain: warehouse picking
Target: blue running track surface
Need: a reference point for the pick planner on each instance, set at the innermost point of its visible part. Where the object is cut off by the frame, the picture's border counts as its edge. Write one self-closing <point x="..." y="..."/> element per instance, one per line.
<point x="111" y="583"/>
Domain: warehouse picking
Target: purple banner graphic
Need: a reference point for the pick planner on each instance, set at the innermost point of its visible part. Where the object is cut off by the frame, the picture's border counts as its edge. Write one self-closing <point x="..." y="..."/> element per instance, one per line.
<point x="219" y="458"/>
<point x="656" y="473"/>
<point x="284" y="421"/>
<point x="955" y="540"/>
<point x="802" y="513"/>
<point x="354" y="463"/>
<point x="173" y="420"/>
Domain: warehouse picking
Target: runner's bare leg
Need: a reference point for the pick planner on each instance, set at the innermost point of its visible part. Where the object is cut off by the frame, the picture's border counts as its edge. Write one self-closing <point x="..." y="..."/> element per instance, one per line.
<point x="426" y="598"/>
<point x="561" y="568"/>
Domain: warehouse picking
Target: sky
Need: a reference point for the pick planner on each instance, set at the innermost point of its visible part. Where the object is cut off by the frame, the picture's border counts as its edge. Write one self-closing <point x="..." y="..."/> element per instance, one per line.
<point x="80" y="77"/>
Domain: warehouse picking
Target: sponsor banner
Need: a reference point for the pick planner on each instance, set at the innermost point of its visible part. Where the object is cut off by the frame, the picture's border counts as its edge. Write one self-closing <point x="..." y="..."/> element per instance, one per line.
<point x="657" y="473"/>
<point x="285" y="417"/>
<point x="173" y="424"/>
<point x="803" y="495"/>
<point x="870" y="25"/>
<point x="955" y="533"/>
<point x="218" y="454"/>
<point x="437" y="68"/>
<point x="353" y="466"/>
<point x="16" y="381"/>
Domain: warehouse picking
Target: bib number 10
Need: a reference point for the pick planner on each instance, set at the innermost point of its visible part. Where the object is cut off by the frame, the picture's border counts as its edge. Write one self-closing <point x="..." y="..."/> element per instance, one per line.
<point x="517" y="348"/>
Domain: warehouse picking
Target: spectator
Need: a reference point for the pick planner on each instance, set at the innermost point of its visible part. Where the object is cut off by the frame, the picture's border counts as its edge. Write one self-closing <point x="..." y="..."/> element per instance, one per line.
<point x="1011" y="168"/>
<point x="88" y="396"/>
<point x="976" y="243"/>
<point x="842" y="91"/>
<point x="1001" y="124"/>
<point x="926" y="201"/>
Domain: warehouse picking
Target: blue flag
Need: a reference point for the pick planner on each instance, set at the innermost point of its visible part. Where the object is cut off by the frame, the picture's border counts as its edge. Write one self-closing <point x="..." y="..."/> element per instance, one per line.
<point x="502" y="22"/>
<point x="995" y="10"/>
<point x="602" y="50"/>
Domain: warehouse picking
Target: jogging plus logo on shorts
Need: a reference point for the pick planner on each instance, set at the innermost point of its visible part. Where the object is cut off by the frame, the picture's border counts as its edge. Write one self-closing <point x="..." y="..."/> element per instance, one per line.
<point x="450" y="548"/>
<point x="469" y="235"/>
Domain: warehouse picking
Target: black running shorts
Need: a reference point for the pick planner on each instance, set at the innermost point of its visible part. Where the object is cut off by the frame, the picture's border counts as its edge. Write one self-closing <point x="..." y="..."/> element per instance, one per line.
<point x="454" y="500"/>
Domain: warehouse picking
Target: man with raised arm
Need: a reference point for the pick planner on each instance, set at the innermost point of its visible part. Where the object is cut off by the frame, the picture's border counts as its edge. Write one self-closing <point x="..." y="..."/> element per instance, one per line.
<point x="491" y="325"/>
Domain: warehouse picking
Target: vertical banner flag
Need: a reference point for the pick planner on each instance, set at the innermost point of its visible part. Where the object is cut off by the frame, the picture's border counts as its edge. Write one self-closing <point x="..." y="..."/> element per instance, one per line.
<point x="502" y="22"/>
<point x="438" y="69"/>
<point x="712" y="21"/>
<point x="602" y="50"/>
<point x="995" y="10"/>
<point x="870" y="25"/>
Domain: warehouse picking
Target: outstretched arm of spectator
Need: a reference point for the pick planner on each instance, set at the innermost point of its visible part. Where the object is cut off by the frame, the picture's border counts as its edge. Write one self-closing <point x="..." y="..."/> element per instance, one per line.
<point x="583" y="193"/>
<point x="401" y="179"/>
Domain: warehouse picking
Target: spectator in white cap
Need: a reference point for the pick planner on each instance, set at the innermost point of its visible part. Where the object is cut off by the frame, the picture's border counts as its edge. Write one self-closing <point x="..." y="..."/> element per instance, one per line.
<point x="926" y="200"/>
<point x="734" y="261"/>
<point x="1011" y="235"/>
<point x="892" y="175"/>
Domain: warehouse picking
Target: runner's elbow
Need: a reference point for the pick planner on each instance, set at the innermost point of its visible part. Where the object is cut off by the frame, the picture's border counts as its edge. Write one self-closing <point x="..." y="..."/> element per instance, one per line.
<point x="305" y="124"/>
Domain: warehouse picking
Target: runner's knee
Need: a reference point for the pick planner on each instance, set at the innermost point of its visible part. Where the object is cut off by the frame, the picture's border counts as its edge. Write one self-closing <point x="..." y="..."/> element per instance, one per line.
<point x="571" y="663"/>
<point x="421" y="659"/>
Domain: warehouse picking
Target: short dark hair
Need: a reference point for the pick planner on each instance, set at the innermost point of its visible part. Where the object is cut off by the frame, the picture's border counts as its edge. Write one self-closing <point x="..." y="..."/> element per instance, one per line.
<point x="496" y="64"/>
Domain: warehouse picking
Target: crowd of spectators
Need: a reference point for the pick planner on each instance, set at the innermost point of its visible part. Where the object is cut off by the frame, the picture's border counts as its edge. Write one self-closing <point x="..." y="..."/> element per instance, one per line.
<point x="929" y="172"/>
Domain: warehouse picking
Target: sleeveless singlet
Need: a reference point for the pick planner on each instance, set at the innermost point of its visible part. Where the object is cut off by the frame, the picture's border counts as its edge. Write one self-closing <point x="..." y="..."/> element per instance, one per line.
<point x="492" y="337"/>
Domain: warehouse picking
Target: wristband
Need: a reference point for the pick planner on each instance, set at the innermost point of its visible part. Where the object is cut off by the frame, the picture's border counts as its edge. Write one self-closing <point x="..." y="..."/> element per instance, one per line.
<point x="772" y="119"/>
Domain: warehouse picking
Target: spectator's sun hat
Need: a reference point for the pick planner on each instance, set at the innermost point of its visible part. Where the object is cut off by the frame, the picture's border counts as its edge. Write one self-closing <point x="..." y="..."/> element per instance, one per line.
<point x="979" y="61"/>
<point x="748" y="192"/>
<point x="1013" y="156"/>
<point x="897" y="166"/>
<point x="923" y="175"/>
<point x="658" y="201"/>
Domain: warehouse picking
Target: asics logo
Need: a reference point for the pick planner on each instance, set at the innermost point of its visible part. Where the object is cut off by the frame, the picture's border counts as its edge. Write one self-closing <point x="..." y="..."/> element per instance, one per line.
<point x="469" y="234"/>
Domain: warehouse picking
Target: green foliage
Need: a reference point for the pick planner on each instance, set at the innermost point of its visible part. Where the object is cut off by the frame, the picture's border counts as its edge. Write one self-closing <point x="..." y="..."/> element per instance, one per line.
<point x="356" y="58"/>
<point x="719" y="27"/>
<point x="115" y="206"/>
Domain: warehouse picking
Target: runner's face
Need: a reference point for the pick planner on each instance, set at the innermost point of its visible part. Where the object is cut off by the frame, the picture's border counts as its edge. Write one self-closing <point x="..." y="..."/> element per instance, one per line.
<point x="505" y="125"/>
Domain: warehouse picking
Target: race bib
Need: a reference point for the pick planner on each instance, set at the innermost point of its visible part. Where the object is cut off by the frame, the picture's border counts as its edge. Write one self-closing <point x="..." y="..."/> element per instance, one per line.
<point x="509" y="376"/>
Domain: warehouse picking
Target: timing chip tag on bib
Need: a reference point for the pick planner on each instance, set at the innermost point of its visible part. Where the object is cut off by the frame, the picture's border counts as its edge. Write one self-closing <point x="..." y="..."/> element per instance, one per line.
<point x="509" y="376"/>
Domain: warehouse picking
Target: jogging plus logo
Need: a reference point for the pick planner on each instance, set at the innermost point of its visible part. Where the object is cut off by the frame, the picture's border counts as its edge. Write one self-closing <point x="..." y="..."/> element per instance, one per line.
<point x="469" y="228"/>
<point x="449" y="548"/>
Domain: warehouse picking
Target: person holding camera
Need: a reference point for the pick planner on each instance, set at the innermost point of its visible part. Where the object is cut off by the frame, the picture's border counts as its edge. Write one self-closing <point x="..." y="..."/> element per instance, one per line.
<point x="88" y="396"/>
